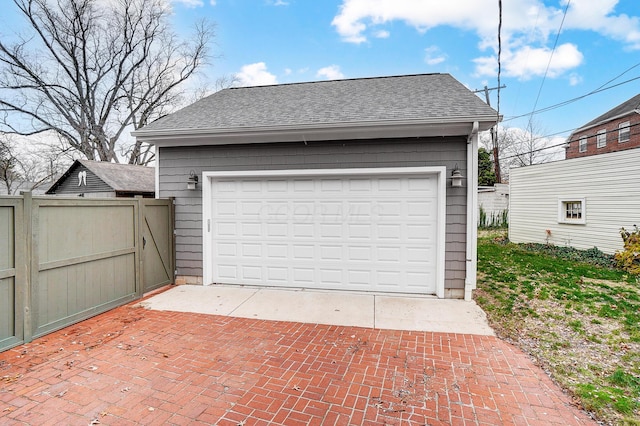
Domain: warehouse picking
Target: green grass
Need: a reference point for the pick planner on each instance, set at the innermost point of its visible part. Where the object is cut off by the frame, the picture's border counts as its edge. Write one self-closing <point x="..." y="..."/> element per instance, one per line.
<point x="576" y="314"/>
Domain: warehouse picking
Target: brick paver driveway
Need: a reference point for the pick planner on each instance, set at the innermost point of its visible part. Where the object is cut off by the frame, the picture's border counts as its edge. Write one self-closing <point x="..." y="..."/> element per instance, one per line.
<point x="136" y="366"/>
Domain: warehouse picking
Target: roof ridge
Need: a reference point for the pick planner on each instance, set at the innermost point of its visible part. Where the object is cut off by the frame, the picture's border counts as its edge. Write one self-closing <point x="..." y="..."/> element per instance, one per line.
<point x="109" y="163"/>
<point x="337" y="80"/>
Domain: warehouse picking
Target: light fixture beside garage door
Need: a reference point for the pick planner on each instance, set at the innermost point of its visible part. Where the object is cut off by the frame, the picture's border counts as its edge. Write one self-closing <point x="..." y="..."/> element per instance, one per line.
<point x="456" y="177"/>
<point x="192" y="181"/>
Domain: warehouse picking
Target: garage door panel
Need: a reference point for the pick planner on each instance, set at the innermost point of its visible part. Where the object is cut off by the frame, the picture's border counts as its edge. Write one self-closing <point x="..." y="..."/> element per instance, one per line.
<point x="226" y="228"/>
<point x="359" y="231"/>
<point x="365" y="233"/>
<point x="389" y="184"/>
<point x="304" y="276"/>
<point x="250" y="230"/>
<point x="252" y="250"/>
<point x="277" y="230"/>
<point x="250" y="209"/>
<point x="227" y="272"/>
<point x="277" y="251"/>
<point x="278" y="275"/>
<point x="303" y="185"/>
<point x="304" y="252"/>
<point x="331" y="252"/>
<point x="302" y="230"/>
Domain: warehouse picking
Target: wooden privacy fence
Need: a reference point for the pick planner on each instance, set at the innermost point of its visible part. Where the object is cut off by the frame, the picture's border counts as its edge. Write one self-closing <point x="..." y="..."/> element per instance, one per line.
<point x="65" y="260"/>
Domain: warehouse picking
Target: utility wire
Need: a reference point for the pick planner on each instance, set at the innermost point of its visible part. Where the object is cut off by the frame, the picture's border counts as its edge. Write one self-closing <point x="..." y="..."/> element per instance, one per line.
<point x="567" y="102"/>
<point x="494" y="135"/>
<point x="499" y="55"/>
<point x="607" y="132"/>
<point x="555" y="44"/>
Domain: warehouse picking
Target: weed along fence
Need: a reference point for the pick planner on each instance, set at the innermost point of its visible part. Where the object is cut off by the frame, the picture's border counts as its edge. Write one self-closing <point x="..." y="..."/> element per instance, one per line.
<point x="65" y="260"/>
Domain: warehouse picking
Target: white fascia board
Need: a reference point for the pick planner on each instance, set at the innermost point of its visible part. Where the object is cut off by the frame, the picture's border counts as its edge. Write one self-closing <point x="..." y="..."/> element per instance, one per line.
<point x="304" y="133"/>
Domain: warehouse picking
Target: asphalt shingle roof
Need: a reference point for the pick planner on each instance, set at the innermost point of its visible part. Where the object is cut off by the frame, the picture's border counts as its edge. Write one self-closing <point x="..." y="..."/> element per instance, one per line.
<point x="624" y="108"/>
<point x="120" y="177"/>
<point x="380" y="99"/>
<point x="123" y="177"/>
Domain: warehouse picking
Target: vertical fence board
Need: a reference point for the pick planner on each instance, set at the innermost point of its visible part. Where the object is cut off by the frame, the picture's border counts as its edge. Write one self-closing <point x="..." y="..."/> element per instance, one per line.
<point x="12" y="282"/>
<point x="7" y="309"/>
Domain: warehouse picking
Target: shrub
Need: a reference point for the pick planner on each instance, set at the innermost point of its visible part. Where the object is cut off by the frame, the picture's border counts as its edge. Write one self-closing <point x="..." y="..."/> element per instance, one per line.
<point x="592" y="256"/>
<point x="629" y="258"/>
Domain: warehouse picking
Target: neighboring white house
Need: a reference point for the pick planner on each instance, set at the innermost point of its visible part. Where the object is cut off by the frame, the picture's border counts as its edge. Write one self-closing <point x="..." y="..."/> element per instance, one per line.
<point x="494" y="202"/>
<point x="581" y="202"/>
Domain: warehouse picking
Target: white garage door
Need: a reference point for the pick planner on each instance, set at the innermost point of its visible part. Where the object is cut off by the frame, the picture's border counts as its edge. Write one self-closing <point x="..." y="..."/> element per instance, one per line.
<point x="346" y="232"/>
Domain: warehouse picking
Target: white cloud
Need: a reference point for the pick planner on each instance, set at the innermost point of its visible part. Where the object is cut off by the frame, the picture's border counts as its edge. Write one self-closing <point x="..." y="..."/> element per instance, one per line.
<point x="278" y="2"/>
<point x="574" y="79"/>
<point x="191" y="3"/>
<point x="599" y="16"/>
<point x="382" y="34"/>
<point x="528" y="62"/>
<point x="527" y="27"/>
<point x="256" y="75"/>
<point x="356" y="15"/>
<point x="213" y="2"/>
<point x="332" y="72"/>
<point x="433" y="55"/>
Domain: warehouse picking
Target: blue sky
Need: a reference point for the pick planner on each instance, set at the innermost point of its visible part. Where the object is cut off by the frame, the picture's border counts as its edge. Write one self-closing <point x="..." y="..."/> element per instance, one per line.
<point x="284" y="41"/>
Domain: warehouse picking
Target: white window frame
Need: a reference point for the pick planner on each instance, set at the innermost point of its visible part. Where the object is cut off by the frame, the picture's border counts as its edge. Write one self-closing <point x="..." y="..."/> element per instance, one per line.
<point x="578" y="213"/>
<point x="601" y="138"/>
<point x="624" y="132"/>
<point x="582" y="144"/>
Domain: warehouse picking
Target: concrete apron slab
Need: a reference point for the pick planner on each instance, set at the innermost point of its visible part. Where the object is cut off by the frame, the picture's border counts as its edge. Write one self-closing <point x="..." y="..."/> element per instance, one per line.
<point x="392" y="312"/>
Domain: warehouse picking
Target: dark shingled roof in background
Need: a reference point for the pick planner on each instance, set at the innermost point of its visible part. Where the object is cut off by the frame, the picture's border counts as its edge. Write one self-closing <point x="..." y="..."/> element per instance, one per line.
<point x="123" y="177"/>
<point x="380" y="99"/>
<point x="120" y="177"/>
<point x="624" y="108"/>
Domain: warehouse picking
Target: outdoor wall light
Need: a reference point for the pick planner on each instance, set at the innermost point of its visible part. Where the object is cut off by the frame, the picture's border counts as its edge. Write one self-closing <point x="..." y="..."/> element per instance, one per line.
<point x="192" y="181"/>
<point x="456" y="177"/>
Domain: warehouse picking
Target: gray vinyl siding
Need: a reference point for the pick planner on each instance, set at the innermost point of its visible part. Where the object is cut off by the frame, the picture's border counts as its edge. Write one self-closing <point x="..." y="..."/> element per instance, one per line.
<point x="607" y="182"/>
<point x="175" y="164"/>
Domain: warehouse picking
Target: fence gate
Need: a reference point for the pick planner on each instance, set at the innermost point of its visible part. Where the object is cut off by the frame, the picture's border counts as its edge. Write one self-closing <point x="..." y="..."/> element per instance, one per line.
<point x="157" y="243"/>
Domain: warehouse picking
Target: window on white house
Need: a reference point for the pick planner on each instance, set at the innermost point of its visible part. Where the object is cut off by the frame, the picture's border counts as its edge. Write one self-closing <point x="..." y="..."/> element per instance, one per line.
<point x="624" y="132"/>
<point x="572" y="210"/>
<point x="601" y="138"/>
<point x="582" y="146"/>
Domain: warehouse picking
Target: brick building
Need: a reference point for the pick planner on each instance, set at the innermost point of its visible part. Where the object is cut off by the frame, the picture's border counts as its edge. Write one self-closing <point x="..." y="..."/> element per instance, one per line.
<point x="615" y="130"/>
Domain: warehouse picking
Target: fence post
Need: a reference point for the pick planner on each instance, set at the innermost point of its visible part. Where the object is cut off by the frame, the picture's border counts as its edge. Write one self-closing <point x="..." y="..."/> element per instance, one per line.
<point x="172" y="221"/>
<point x="28" y="264"/>
<point x="139" y="242"/>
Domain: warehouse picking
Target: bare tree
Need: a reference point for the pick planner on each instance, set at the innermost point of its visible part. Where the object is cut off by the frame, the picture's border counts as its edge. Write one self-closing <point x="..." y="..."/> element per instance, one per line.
<point x="27" y="170"/>
<point x="8" y="172"/>
<point x="520" y="147"/>
<point x="92" y="70"/>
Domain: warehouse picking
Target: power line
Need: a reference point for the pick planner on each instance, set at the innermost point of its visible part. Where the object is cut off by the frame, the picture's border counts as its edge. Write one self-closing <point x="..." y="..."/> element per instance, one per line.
<point x="494" y="135"/>
<point x="567" y="102"/>
<point x="555" y="44"/>
<point x="607" y="132"/>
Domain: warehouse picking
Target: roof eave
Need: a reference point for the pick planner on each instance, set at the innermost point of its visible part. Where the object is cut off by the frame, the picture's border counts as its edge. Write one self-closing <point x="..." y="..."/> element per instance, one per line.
<point x="314" y="132"/>
<point x="601" y="122"/>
